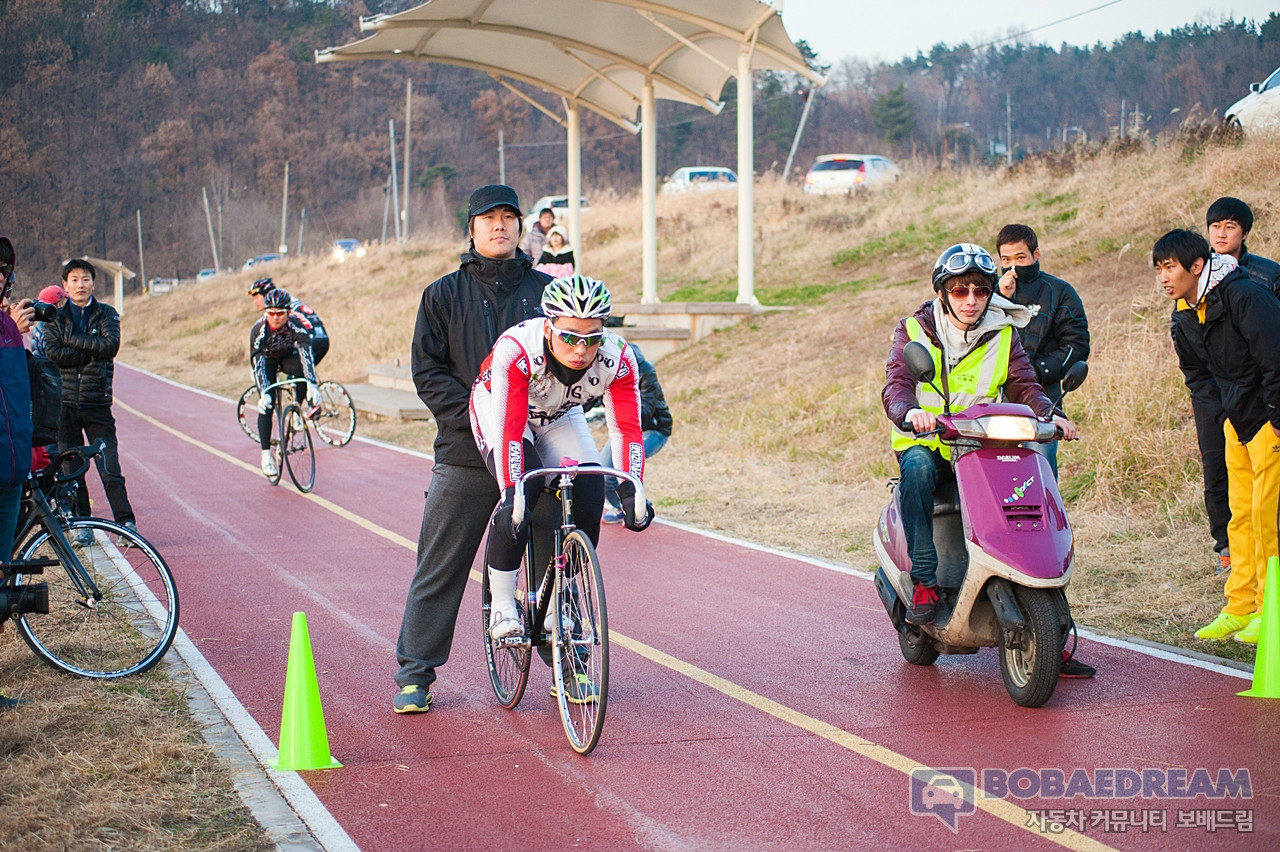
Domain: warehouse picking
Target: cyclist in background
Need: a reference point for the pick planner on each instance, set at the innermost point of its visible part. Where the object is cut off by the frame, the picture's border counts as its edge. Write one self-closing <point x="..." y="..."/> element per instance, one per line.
<point x="526" y="412"/>
<point x="310" y="319"/>
<point x="279" y="342"/>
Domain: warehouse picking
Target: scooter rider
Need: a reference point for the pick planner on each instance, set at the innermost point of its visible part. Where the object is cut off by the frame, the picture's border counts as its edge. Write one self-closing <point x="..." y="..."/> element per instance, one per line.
<point x="969" y="330"/>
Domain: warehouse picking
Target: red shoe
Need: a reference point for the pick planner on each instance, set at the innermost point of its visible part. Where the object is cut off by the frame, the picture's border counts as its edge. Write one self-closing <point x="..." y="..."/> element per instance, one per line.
<point x="924" y="605"/>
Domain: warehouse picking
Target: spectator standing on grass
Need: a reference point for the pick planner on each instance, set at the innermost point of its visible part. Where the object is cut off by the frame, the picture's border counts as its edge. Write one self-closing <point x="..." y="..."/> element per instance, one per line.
<point x="536" y="240"/>
<point x="557" y="257"/>
<point x="83" y="339"/>
<point x="1057" y="335"/>
<point x="460" y="317"/>
<point x="1229" y="221"/>
<point x="1227" y="343"/>
<point x="15" y="409"/>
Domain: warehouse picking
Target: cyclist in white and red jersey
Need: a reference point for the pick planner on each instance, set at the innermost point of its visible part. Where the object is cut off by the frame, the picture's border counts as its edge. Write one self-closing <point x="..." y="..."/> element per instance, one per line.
<point x="526" y="413"/>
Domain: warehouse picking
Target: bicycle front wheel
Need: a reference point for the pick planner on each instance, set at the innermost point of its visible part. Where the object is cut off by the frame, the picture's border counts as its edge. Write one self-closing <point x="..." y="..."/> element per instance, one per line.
<point x="336" y="422"/>
<point x="508" y="658"/>
<point x="247" y="412"/>
<point x="299" y="454"/>
<point x="580" y="649"/>
<point x="113" y="607"/>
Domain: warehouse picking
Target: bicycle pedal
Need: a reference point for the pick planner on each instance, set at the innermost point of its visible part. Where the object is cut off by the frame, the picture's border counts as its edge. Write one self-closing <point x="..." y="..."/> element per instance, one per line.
<point x="515" y="641"/>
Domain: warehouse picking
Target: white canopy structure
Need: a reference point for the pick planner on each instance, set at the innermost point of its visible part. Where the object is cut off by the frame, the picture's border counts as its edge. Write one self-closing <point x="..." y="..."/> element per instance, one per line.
<point x="612" y="57"/>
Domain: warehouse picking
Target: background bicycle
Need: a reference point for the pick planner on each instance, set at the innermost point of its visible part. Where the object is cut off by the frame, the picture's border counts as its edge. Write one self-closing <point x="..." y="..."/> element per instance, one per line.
<point x="112" y="606"/>
<point x="335" y="423"/>
<point x="573" y="590"/>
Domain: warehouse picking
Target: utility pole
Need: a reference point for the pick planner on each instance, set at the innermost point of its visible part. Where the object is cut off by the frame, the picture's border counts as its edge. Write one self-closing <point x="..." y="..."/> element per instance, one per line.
<point x="302" y="227"/>
<point x="284" y="211"/>
<point x="395" y="188"/>
<point x="142" y="264"/>
<point x="408" y="131"/>
<point x="208" y="217"/>
<point x="1008" y="130"/>
<point x="386" y="206"/>
<point x="502" y="160"/>
<point x="804" y="116"/>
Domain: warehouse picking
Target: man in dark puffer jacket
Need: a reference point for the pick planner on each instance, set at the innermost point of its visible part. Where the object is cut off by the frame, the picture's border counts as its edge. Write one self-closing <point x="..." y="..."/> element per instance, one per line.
<point x="82" y="340"/>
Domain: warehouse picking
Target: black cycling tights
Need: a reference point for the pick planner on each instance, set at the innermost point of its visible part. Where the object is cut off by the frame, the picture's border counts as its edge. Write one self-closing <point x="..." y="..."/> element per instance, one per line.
<point x="290" y="365"/>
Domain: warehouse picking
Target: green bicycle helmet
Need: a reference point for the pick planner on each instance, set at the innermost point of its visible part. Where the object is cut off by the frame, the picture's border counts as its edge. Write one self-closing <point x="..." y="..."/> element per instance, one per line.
<point x="576" y="296"/>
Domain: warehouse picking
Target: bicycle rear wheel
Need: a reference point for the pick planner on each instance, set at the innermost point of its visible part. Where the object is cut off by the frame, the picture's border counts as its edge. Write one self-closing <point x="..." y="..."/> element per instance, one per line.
<point x="580" y="650"/>
<point x="336" y="422"/>
<point x="122" y="629"/>
<point x="247" y="412"/>
<point x="299" y="454"/>
<point x="508" y="659"/>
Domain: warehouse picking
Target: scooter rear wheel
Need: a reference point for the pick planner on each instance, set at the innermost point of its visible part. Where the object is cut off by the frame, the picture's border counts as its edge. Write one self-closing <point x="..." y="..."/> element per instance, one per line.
<point x="1031" y="672"/>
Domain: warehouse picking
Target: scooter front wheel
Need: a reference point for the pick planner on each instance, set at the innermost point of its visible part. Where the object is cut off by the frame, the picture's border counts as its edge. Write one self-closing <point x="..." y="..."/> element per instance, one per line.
<point x="1030" y="670"/>
<point x="917" y="648"/>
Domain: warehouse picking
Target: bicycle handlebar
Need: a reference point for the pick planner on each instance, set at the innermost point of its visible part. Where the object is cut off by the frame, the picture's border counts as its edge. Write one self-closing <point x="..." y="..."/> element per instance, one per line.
<point x="518" y="507"/>
<point x="84" y="453"/>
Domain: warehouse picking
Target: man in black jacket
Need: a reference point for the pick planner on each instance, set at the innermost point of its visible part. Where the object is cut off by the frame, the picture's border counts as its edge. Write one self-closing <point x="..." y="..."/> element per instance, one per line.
<point x="1229" y="221"/>
<point x="459" y="319"/>
<point x="83" y="340"/>
<point x="1225" y="335"/>
<point x="1058" y="334"/>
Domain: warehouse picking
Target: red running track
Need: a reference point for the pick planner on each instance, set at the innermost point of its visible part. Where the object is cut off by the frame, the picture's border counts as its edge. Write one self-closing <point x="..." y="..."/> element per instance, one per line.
<point x="757" y="701"/>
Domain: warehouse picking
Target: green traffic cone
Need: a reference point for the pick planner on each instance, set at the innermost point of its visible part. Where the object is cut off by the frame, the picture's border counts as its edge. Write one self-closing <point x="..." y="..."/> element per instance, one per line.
<point x="304" y="742"/>
<point x="1266" y="665"/>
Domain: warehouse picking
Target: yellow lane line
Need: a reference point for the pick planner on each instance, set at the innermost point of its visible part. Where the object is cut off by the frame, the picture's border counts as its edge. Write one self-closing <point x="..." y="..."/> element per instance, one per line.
<point x="999" y="808"/>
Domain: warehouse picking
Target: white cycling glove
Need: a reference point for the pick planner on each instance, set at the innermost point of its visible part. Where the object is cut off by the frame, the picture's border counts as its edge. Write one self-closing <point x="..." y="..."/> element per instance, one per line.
<point x="265" y="404"/>
<point x="313" y="394"/>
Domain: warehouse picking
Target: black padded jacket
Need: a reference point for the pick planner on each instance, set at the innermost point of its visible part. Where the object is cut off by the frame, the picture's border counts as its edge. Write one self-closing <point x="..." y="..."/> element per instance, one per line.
<point x="87" y="359"/>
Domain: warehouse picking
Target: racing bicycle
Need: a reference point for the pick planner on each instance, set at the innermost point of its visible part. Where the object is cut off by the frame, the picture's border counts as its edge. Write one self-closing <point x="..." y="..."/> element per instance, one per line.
<point x="335" y="422"/>
<point x="578" y="638"/>
<point x="89" y="596"/>
<point x="291" y="445"/>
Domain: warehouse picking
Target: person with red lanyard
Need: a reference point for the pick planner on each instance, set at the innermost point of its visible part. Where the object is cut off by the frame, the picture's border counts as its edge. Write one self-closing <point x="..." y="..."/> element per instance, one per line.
<point x="526" y="413"/>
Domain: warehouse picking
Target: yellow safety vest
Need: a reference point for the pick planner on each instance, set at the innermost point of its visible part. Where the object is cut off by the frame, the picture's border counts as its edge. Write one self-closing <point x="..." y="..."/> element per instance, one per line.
<point x="979" y="377"/>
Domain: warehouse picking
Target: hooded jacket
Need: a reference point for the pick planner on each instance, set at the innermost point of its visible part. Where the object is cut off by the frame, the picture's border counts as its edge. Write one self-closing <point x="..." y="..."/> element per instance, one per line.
<point x="1058" y="334"/>
<point x="1231" y="360"/>
<point x="460" y="317"/>
<point x="15" y="405"/>
<point x="899" y="393"/>
<point x="87" y="359"/>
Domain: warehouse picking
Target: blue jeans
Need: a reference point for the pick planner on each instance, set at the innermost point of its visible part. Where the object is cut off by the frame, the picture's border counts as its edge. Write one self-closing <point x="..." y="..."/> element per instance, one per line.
<point x="653" y="441"/>
<point x="10" y="502"/>
<point x="919" y="471"/>
<point x="1049" y="451"/>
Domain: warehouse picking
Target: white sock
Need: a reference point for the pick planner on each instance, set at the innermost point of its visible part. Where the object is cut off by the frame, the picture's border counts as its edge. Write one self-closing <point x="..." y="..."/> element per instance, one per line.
<point x="502" y="589"/>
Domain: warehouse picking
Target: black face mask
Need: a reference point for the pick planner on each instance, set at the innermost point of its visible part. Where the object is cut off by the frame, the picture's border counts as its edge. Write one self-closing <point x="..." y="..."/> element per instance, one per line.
<point x="1024" y="273"/>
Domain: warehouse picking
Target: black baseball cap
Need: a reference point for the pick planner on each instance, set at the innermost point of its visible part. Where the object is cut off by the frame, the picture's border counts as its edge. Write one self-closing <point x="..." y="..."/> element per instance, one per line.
<point x="494" y="195"/>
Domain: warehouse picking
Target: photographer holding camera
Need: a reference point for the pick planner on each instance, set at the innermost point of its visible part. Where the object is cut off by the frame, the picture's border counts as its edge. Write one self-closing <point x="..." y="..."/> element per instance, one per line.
<point x="46" y="306"/>
<point x="15" y="409"/>
<point x="83" y="338"/>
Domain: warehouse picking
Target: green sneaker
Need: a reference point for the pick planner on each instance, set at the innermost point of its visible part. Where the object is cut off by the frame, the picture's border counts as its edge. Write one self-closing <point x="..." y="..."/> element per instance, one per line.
<point x="1223" y="626"/>
<point x="412" y="699"/>
<point x="1249" y="635"/>
<point x="578" y="690"/>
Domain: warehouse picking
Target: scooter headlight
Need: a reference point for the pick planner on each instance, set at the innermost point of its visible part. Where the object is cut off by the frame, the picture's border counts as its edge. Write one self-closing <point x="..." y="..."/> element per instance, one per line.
<point x="998" y="427"/>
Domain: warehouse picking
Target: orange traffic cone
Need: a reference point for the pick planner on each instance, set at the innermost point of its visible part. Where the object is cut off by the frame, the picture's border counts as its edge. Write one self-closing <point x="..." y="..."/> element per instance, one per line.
<point x="1266" y="665"/>
<point x="304" y="742"/>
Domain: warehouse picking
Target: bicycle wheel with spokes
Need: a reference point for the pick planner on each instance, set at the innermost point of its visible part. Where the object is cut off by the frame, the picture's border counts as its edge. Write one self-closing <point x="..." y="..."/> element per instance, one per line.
<point x="113" y="607"/>
<point x="299" y="454"/>
<point x="580" y="650"/>
<point x="336" y="422"/>
<point x="508" y="658"/>
<point x="247" y="412"/>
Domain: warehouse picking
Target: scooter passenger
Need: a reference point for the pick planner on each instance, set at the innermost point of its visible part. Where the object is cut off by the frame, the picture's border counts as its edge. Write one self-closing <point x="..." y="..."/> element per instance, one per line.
<point x="968" y="328"/>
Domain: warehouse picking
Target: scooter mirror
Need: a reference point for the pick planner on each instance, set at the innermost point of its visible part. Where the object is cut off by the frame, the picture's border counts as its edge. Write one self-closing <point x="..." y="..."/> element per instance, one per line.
<point x="1075" y="376"/>
<point x="918" y="361"/>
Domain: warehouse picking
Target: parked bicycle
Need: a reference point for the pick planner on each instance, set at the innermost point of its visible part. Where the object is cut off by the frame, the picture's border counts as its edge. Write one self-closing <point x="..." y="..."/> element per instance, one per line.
<point x="335" y="422"/>
<point x="109" y="606"/>
<point x="291" y="445"/>
<point x="579" y="637"/>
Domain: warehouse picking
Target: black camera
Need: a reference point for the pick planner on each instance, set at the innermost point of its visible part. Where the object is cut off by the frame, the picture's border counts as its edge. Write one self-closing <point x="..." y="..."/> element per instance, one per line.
<point x="32" y="597"/>
<point x="44" y="311"/>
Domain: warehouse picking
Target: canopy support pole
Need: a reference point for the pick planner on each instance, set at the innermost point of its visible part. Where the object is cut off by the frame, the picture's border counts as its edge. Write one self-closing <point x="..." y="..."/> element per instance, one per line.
<point x="746" y="180"/>
<point x="649" y="192"/>
<point x="574" y="177"/>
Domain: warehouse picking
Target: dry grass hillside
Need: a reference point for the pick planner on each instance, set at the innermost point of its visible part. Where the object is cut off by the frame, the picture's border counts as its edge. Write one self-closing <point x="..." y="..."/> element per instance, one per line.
<point x="779" y="433"/>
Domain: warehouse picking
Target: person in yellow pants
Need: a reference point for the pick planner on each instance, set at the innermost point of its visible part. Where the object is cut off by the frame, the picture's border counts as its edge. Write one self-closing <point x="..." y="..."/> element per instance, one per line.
<point x="1224" y="332"/>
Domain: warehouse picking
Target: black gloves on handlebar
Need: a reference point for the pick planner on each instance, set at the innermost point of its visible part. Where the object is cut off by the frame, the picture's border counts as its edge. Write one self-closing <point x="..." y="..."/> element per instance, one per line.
<point x="501" y="521"/>
<point x="627" y="497"/>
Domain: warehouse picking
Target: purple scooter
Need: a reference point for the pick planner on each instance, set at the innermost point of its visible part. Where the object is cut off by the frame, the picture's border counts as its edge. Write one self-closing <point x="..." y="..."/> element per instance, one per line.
<point x="1005" y="548"/>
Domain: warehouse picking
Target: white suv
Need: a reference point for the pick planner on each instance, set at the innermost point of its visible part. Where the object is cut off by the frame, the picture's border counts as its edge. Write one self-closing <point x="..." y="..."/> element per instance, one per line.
<point x="700" y="179"/>
<point x="845" y="174"/>
<point x="1260" y="108"/>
